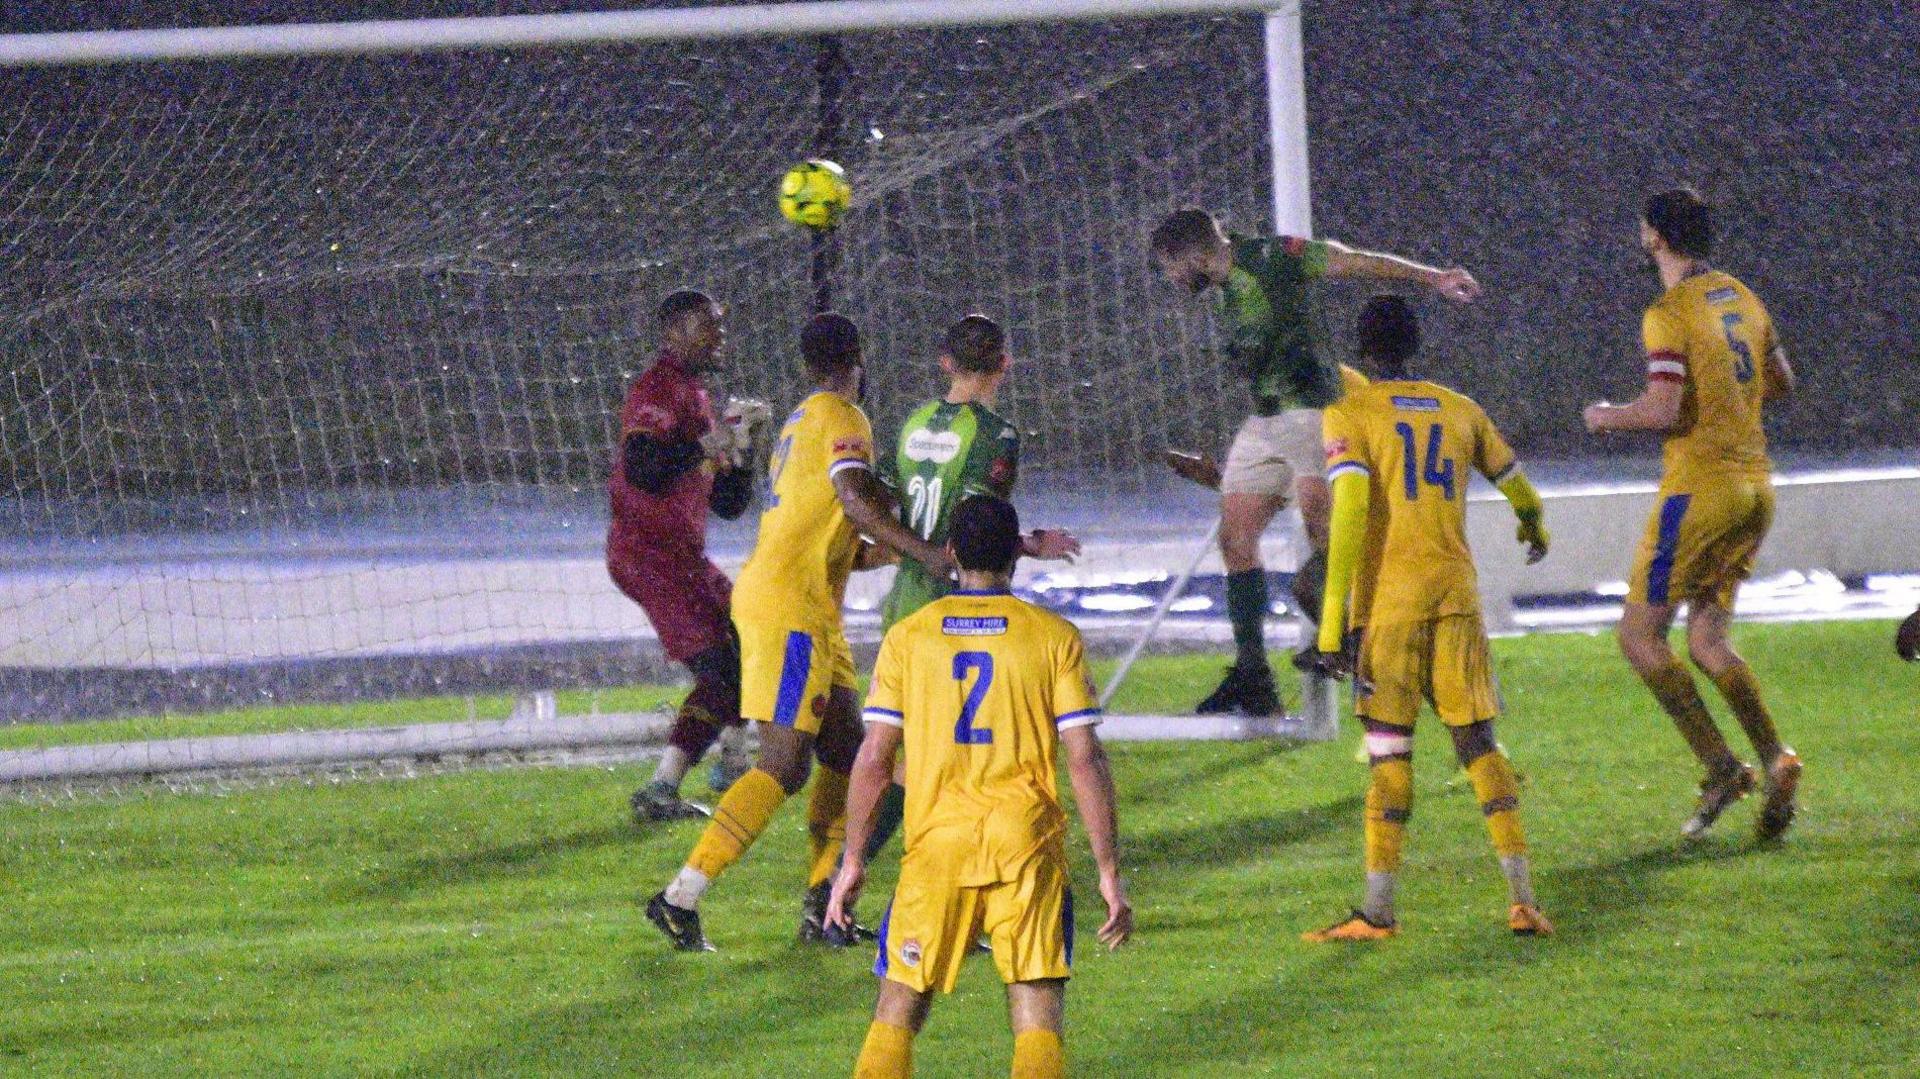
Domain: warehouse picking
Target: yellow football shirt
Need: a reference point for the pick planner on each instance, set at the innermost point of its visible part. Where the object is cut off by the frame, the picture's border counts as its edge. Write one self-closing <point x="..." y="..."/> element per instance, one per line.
<point x="805" y="549"/>
<point x="1416" y="440"/>
<point x="1714" y="336"/>
<point x="981" y="684"/>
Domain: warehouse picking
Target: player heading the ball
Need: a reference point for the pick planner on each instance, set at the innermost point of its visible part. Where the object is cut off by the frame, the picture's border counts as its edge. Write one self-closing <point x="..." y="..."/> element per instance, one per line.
<point x="1276" y="340"/>
<point x="982" y="690"/>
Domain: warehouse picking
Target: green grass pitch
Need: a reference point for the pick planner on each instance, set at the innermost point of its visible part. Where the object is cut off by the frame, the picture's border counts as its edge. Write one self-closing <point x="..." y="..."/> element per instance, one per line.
<point x="486" y="923"/>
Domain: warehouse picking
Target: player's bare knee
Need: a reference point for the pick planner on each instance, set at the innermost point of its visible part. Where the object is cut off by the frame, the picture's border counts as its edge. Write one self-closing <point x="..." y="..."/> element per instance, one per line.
<point x="1239" y="549"/>
<point x="786" y="755"/>
<point x="1709" y="648"/>
<point x="840" y="731"/>
<point x="1037" y="1005"/>
<point x="902" y="1007"/>
<point x="1473" y="741"/>
<point x="1645" y="652"/>
<point x="1316" y="508"/>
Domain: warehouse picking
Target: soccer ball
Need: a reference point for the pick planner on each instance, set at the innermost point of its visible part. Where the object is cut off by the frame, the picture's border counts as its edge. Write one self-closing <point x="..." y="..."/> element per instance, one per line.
<point x="815" y="194"/>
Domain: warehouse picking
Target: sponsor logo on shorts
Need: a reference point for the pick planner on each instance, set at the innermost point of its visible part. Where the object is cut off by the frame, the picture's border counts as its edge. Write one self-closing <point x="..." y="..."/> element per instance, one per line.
<point x="955" y="626"/>
<point x="910" y="953"/>
<point x="1416" y="404"/>
<point x="928" y="446"/>
<point x="1337" y="448"/>
<point x="850" y="445"/>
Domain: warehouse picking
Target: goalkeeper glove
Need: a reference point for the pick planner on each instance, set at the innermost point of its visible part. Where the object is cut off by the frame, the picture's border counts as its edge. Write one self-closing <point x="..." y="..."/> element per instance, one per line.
<point x="732" y="440"/>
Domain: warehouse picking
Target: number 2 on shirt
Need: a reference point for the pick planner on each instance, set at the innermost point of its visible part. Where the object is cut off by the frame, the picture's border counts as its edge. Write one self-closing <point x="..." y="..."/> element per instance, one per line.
<point x="1439" y="470"/>
<point x="964" y="732"/>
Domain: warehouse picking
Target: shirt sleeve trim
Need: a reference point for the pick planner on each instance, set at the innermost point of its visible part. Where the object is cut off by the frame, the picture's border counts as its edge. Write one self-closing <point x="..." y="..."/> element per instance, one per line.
<point x="1347" y="467"/>
<point x="883" y="715"/>
<point x="1085" y="717"/>
<point x="850" y="463"/>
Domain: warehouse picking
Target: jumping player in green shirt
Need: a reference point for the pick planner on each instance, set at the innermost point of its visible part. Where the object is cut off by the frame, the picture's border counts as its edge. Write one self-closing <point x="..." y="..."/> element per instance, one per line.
<point x="1276" y="340"/>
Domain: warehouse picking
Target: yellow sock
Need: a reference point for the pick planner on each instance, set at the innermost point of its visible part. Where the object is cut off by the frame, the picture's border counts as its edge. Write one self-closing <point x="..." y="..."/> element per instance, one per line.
<point x="1742" y="692"/>
<point x="1673" y="687"/>
<point x="887" y="1053"/>
<point x="1499" y="792"/>
<point x="826" y="823"/>
<point x="737" y="821"/>
<point x="1038" y="1054"/>
<point x="1389" y="804"/>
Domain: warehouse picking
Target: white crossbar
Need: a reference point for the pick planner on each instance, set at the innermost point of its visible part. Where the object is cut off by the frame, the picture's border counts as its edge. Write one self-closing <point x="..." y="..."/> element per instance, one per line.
<point x="579" y="28"/>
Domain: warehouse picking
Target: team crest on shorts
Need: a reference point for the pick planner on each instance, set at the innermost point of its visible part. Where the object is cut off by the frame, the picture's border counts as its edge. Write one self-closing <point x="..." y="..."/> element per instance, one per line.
<point x="910" y="952"/>
<point x="819" y="704"/>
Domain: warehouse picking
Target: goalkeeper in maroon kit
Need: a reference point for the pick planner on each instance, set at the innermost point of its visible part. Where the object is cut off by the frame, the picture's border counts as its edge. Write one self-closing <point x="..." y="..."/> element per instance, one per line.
<point x="673" y="464"/>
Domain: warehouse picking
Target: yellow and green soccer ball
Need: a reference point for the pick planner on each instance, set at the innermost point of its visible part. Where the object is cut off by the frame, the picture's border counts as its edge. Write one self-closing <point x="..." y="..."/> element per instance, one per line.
<point x="815" y="194"/>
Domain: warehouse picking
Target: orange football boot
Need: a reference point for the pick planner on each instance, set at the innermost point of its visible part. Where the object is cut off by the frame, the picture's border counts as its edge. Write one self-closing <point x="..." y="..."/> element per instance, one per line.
<point x="1526" y="921"/>
<point x="1354" y="927"/>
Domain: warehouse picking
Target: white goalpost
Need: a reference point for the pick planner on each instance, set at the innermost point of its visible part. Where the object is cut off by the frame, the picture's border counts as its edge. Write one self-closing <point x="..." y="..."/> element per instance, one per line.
<point x="388" y="339"/>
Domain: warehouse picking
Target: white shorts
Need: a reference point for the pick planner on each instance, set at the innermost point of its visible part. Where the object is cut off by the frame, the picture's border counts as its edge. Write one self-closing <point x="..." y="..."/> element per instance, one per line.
<point x="1270" y="452"/>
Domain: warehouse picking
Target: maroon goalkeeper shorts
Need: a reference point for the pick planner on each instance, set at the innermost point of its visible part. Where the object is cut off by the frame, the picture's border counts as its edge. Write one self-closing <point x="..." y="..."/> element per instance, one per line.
<point x="685" y="596"/>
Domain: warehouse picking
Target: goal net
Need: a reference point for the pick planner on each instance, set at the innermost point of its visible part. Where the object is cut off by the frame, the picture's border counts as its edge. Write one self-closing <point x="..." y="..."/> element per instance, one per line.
<point x="314" y="364"/>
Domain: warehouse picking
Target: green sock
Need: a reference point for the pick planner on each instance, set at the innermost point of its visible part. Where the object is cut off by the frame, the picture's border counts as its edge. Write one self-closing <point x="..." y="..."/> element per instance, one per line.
<point x="1247" y="609"/>
<point x="886" y="818"/>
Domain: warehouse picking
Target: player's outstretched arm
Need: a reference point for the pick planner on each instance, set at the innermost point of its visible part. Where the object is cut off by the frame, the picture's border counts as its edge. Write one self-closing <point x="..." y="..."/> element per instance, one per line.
<point x="1455" y="284"/>
<point x="1093" y="793"/>
<point x="868" y="506"/>
<point x="872" y="771"/>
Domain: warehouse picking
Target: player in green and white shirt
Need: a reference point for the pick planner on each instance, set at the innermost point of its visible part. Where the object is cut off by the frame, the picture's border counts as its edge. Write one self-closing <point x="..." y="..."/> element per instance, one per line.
<point x="1275" y="338"/>
<point x="952" y="447"/>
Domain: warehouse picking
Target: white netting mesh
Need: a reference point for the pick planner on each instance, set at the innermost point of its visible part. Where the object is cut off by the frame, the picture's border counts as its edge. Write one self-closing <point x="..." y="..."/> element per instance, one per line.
<point x="315" y="363"/>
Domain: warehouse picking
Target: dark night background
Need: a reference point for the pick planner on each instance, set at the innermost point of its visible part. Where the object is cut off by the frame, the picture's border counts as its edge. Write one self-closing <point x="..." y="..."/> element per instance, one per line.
<point x="255" y="283"/>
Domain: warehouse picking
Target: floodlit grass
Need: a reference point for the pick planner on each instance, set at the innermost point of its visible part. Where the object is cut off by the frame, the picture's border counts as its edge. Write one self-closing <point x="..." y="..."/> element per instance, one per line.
<point x="485" y="922"/>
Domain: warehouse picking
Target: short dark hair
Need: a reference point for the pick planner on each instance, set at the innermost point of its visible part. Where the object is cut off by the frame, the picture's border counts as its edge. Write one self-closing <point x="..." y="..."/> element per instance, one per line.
<point x="830" y="343"/>
<point x="976" y="344"/>
<point x="683" y="302"/>
<point x="985" y="534"/>
<point x="1182" y="231"/>
<point x="1389" y="332"/>
<point x="1683" y="219"/>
